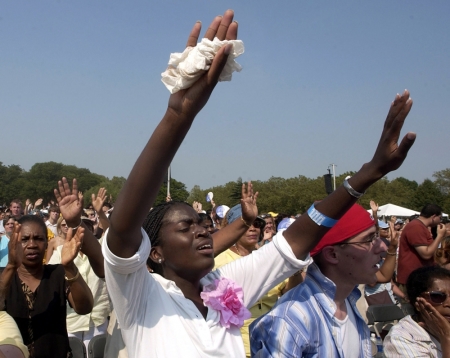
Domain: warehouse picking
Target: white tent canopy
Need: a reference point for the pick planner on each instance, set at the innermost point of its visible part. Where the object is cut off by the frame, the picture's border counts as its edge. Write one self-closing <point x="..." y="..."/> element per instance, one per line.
<point x="395" y="210"/>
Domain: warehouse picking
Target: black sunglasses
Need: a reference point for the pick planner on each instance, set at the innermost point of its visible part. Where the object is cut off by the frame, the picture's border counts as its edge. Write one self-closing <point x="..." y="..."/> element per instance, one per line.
<point x="436" y="297"/>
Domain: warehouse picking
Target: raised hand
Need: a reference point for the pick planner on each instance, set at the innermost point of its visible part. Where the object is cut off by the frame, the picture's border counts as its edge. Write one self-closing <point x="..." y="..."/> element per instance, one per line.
<point x="15" y="249"/>
<point x="394" y="234"/>
<point x="248" y="203"/>
<point x="72" y="246"/>
<point x="69" y="202"/>
<point x="38" y="203"/>
<point x="374" y="206"/>
<point x="198" y="207"/>
<point x="389" y="155"/>
<point x="97" y="202"/>
<point x="190" y="101"/>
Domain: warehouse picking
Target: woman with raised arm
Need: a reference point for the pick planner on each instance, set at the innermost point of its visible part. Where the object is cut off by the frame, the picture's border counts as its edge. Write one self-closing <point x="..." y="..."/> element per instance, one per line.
<point x="36" y="294"/>
<point x="186" y="310"/>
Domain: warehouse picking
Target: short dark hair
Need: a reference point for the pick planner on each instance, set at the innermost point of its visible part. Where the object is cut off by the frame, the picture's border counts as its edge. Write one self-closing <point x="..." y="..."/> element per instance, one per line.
<point x="54" y="208"/>
<point x="420" y="281"/>
<point x="7" y="218"/>
<point x="108" y="205"/>
<point x="152" y="226"/>
<point x="204" y="216"/>
<point x="431" y="209"/>
<point x="34" y="219"/>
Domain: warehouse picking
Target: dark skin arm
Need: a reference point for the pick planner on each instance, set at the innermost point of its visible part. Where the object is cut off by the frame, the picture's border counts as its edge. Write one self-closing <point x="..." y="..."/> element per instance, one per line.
<point x="71" y="206"/>
<point x="80" y="295"/>
<point x="303" y="235"/>
<point x="142" y="185"/>
<point x="227" y="237"/>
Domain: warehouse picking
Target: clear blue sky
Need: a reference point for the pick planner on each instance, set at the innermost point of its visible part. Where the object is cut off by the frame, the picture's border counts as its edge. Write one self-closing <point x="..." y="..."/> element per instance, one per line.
<point x="80" y="84"/>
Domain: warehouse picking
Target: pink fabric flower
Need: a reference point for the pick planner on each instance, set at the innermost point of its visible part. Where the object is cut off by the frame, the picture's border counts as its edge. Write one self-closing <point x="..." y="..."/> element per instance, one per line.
<point x="226" y="297"/>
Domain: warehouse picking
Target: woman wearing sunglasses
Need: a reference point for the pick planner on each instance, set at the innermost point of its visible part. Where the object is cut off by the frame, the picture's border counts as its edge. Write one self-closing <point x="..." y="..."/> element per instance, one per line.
<point x="244" y="247"/>
<point x="427" y="332"/>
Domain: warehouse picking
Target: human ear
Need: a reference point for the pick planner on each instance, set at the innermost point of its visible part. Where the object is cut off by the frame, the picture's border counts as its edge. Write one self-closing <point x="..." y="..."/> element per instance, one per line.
<point x="156" y="255"/>
<point x="330" y="255"/>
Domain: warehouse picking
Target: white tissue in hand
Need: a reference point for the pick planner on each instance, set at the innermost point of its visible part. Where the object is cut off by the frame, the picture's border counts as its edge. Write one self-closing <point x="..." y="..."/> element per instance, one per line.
<point x="187" y="67"/>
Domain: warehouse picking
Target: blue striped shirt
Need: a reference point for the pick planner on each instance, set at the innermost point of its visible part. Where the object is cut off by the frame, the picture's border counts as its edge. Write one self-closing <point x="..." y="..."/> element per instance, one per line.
<point x="302" y="323"/>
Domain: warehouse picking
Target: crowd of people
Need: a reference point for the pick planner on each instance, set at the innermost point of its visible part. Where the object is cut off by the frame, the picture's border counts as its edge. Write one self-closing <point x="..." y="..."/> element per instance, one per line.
<point x="176" y="281"/>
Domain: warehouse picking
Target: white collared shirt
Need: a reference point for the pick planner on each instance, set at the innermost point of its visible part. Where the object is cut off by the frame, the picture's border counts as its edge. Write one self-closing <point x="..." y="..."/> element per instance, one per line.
<point x="158" y="321"/>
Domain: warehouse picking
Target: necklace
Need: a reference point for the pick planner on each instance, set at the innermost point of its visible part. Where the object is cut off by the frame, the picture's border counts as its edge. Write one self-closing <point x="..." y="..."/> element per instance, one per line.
<point x="237" y="250"/>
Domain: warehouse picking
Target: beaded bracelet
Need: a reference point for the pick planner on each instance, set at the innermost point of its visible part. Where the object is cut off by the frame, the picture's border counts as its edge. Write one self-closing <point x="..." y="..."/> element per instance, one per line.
<point x="319" y="218"/>
<point x="391" y="253"/>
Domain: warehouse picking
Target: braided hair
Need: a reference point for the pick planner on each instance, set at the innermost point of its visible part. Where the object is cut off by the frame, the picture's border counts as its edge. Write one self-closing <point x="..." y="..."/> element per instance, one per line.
<point x="152" y="226"/>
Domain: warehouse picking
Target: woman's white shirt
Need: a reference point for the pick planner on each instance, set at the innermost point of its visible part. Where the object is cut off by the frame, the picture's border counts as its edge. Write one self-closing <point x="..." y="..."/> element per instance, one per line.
<point x="158" y="321"/>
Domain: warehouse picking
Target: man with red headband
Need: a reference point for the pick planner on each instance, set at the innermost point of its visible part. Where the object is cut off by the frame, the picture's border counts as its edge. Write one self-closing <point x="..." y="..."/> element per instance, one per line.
<point x="319" y="317"/>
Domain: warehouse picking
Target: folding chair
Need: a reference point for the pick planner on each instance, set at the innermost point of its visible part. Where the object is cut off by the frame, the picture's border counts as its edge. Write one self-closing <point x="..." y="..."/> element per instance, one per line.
<point x="383" y="313"/>
<point x="78" y="348"/>
<point x="96" y="346"/>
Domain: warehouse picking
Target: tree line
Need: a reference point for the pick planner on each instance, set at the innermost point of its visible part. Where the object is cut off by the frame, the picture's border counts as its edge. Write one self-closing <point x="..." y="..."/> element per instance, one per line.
<point x="295" y="195"/>
<point x="289" y="196"/>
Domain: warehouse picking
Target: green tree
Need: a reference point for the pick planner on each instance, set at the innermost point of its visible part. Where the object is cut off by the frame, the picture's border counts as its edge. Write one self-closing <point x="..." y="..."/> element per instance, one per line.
<point x="442" y="180"/>
<point x="178" y="192"/>
<point x="236" y="192"/>
<point x="426" y="193"/>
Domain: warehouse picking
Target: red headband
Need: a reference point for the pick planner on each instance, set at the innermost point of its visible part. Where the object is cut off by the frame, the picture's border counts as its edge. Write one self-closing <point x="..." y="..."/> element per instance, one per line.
<point x="355" y="220"/>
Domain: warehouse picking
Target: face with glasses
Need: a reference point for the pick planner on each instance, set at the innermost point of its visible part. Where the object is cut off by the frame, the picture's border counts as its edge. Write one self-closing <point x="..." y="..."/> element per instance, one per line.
<point x="252" y="235"/>
<point x="64" y="227"/>
<point x="438" y="295"/>
<point x="358" y="257"/>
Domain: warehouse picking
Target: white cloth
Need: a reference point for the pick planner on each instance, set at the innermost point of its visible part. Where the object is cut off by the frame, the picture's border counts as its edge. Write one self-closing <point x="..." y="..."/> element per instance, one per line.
<point x="158" y="321"/>
<point x="53" y="227"/>
<point x="187" y="67"/>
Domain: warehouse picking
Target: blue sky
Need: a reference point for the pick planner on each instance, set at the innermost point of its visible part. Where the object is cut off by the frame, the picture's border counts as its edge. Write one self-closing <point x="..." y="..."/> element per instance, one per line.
<point x="80" y="84"/>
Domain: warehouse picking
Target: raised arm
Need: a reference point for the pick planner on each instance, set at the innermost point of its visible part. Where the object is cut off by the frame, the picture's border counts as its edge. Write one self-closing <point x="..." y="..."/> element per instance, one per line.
<point x="97" y="203"/>
<point x="387" y="269"/>
<point x="80" y="295"/>
<point x="226" y="237"/>
<point x="304" y="233"/>
<point x="71" y="207"/>
<point x="427" y="252"/>
<point x="15" y="254"/>
<point x="142" y="185"/>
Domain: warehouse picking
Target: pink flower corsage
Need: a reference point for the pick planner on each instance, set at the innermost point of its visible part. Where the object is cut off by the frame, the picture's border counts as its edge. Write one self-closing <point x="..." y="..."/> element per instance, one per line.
<point x="227" y="297"/>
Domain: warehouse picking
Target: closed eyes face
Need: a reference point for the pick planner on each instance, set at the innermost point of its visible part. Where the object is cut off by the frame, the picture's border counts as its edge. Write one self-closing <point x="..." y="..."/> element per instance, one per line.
<point x="186" y="246"/>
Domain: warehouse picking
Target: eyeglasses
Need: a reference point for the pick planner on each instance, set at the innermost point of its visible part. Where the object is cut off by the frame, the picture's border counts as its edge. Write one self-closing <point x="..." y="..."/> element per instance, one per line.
<point x="64" y="225"/>
<point x="369" y="241"/>
<point x="258" y="224"/>
<point x="436" y="297"/>
<point x="265" y="216"/>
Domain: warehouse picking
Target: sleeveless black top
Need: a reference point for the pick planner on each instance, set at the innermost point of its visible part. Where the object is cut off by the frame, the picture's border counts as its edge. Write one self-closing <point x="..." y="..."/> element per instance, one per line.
<point x="44" y="326"/>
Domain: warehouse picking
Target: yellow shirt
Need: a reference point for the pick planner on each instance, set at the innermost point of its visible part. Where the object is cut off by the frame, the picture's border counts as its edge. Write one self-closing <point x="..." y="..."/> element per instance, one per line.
<point x="10" y="334"/>
<point x="263" y="306"/>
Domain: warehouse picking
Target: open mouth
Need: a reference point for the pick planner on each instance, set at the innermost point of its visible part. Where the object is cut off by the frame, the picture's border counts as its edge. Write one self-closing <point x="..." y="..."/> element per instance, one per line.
<point x="206" y="249"/>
